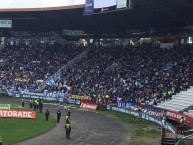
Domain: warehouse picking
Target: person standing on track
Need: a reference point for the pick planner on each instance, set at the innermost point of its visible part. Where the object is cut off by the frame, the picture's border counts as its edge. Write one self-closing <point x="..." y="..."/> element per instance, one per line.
<point x="68" y="130"/>
<point x="69" y="112"/>
<point x="58" y="116"/>
<point x="30" y="103"/>
<point x="67" y="118"/>
<point x="47" y="114"/>
<point x="22" y="102"/>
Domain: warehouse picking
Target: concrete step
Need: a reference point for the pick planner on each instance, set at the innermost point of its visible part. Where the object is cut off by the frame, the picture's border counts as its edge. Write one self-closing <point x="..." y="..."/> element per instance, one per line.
<point x="168" y="141"/>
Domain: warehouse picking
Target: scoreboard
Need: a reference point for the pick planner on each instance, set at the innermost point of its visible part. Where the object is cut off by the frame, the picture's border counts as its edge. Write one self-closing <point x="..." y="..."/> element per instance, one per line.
<point x="103" y="6"/>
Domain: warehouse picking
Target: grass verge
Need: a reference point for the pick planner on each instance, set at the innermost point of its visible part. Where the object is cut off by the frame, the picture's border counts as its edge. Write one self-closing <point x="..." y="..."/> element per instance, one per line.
<point x="16" y="130"/>
<point x="143" y="131"/>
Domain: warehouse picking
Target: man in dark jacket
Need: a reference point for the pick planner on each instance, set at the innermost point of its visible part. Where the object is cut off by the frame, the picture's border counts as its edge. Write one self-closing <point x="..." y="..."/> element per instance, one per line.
<point x="58" y="116"/>
<point x="69" y="112"/>
<point x="22" y="103"/>
<point x="47" y="113"/>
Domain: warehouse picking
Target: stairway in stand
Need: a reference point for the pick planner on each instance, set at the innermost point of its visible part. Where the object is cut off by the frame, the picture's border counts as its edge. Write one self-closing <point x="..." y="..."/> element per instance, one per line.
<point x="180" y="101"/>
<point x="168" y="141"/>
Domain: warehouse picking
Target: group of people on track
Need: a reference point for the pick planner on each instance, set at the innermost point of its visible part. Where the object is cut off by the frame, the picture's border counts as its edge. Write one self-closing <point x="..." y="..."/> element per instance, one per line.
<point x="36" y="106"/>
<point x="67" y="119"/>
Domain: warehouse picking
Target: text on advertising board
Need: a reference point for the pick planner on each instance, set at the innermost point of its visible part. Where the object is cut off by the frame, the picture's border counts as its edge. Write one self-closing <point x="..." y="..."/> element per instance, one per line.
<point x="138" y="114"/>
<point x="79" y="97"/>
<point x="88" y="106"/>
<point x="5" y="106"/>
<point x="17" y="114"/>
<point x="5" y="23"/>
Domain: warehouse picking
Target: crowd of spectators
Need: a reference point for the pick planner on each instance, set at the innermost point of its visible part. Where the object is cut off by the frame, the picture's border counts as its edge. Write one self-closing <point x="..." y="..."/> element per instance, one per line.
<point x="142" y="74"/>
<point x="26" y="65"/>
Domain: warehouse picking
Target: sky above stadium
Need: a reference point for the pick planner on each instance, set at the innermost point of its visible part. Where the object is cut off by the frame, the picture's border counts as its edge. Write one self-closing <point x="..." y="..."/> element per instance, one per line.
<point x="23" y="4"/>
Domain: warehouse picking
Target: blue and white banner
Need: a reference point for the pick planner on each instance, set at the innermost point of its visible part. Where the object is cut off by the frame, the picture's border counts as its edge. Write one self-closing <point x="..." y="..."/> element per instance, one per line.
<point x="46" y="96"/>
<point x="151" y="110"/>
<point x="51" y="82"/>
<point x="73" y="101"/>
<point x="126" y="104"/>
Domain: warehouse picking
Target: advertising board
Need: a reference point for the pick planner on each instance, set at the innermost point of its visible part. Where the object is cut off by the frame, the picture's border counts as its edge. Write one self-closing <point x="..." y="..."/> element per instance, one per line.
<point x="17" y="114"/>
<point x="72" y="101"/>
<point x="145" y="116"/>
<point x="151" y="110"/>
<point x="79" y="97"/>
<point x="177" y="115"/>
<point x="5" y="23"/>
<point x="5" y="106"/>
<point x="88" y="106"/>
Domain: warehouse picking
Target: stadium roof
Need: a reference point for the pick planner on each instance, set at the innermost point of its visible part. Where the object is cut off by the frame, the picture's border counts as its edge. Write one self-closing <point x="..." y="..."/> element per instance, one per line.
<point x="159" y="14"/>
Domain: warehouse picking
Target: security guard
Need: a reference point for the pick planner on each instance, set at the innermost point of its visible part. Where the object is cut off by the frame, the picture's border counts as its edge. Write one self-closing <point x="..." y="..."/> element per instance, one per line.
<point x="1" y="141"/>
<point x="186" y="85"/>
<point x="164" y="96"/>
<point x="170" y="94"/>
<point x="181" y="121"/>
<point x="67" y="118"/>
<point x="106" y="99"/>
<point x="181" y="127"/>
<point x="68" y="129"/>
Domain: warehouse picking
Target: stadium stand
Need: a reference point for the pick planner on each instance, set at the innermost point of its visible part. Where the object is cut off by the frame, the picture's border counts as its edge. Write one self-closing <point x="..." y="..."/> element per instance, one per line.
<point x="24" y="64"/>
<point x="140" y="74"/>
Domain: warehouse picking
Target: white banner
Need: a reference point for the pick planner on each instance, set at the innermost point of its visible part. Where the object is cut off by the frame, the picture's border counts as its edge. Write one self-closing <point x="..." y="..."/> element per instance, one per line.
<point x="73" y="32"/>
<point x="121" y="4"/>
<point x="5" y="23"/>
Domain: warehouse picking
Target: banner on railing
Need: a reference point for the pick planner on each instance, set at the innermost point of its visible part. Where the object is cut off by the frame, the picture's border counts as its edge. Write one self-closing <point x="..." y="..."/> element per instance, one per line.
<point x="142" y="115"/>
<point x="46" y="96"/>
<point x="73" y="101"/>
<point x="151" y="110"/>
<point x="89" y="106"/>
<point x="79" y="97"/>
<point x="177" y="115"/>
<point x="126" y="104"/>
